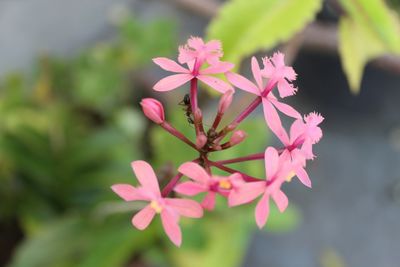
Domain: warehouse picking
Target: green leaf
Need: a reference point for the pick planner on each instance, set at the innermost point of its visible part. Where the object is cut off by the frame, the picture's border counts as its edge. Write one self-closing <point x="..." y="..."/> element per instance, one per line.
<point x="246" y="26"/>
<point x="369" y="29"/>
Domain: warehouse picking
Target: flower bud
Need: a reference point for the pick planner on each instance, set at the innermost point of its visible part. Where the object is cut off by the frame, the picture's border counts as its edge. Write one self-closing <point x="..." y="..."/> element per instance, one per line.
<point x="153" y="110"/>
<point x="237" y="137"/>
<point x="225" y="101"/>
<point x="201" y="140"/>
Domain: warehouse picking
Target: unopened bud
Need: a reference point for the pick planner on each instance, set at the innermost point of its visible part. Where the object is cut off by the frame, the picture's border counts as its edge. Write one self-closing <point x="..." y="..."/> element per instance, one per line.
<point x="225" y="101"/>
<point x="201" y="140"/>
<point x="153" y="110"/>
<point x="237" y="137"/>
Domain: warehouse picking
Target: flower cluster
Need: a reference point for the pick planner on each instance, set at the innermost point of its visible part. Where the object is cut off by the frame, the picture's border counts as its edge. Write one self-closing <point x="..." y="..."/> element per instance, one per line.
<point x="199" y="61"/>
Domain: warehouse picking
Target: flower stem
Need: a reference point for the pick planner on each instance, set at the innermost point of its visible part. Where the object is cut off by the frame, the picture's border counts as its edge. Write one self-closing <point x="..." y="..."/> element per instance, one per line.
<point x="242" y="159"/>
<point x="169" y="128"/>
<point x="171" y="184"/>
<point x="246" y="177"/>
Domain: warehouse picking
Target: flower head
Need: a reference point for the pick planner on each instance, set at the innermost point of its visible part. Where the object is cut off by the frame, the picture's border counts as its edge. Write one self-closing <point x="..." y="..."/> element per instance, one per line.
<point x="170" y="209"/>
<point x="197" y="50"/>
<point x="202" y="182"/>
<point x="276" y="70"/>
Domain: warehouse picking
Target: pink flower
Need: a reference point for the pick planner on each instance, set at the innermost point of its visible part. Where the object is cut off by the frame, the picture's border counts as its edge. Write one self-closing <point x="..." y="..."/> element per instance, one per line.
<point x="197" y="50"/>
<point x="153" y="110"/>
<point x="170" y="209"/>
<point x="269" y="101"/>
<point x="276" y="172"/>
<point x="277" y="72"/>
<point x="298" y="146"/>
<point x="186" y="74"/>
<point x="203" y="182"/>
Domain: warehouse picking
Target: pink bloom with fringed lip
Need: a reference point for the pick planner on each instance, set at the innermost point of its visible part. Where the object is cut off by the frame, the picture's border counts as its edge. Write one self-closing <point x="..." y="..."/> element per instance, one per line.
<point x="269" y="101"/>
<point x="195" y="54"/>
<point x="276" y="172"/>
<point x="170" y="209"/>
<point x="205" y="183"/>
<point x="276" y="70"/>
<point x="196" y="49"/>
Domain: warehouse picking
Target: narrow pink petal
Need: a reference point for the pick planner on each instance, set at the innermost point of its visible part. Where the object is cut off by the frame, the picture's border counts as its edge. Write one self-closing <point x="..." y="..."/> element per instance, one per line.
<point x="190" y="188"/>
<point x="289" y="73"/>
<point x="262" y="211"/>
<point x="246" y="193"/>
<point x="286" y="109"/>
<point x="208" y="202"/>
<point x="195" y="42"/>
<point x="128" y="192"/>
<point x="297" y="128"/>
<point x="171" y="227"/>
<point x="195" y="172"/>
<point x="280" y="199"/>
<point x="303" y="176"/>
<point x="215" y="83"/>
<point x="169" y="65"/>
<point x="143" y="218"/>
<point x="255" y="68"/>
<point x="146" y="176"/>
<point x="271" y="157"/>
<point x="185" y="207"/>
<point x="242" y="83"/>
<point x="220" y="67"/>
<point x="171" y="82"/>
<point x="271" y="116"/>
<point x="285" y="88"/>
<point x="214" y="45"/>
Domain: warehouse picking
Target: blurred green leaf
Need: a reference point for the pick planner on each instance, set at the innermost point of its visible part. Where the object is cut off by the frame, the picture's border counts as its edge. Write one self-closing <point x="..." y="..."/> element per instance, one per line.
<point x="247" y="26"/>
<point x="368" y="30"/>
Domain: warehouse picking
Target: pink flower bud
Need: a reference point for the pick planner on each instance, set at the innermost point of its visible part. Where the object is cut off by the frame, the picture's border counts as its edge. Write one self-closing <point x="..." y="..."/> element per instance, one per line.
<point x="225" y="101"/>
<point x="237" y="137"/>
<point x="153" y="110"/>
<point x="201" y="140"/>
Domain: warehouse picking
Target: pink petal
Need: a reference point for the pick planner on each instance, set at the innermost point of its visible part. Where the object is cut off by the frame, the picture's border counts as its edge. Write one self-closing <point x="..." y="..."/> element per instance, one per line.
<point x="242" y="83"/>
<point x="215" y="83"/>
<point x="296" y="129"/>
<point x="171" y="82"/>
<point x="289" y="73"/>
<point x="246" y="193"/>
<point x="169" y="65"/>
<point x="185" y="207"/>
<point x="128" y="192"/>
<point x="214" y="45"/>
<point x="171" y="227"/>
<point x="255" y="68"/>
<point x="195" y="172"/>
<point x="220" y="67"/>
<point x="280" y="199"/>
<point x="146" y="176"/>
<point x="143" y="218"/>
<point x="271" y="157"/>
<point x="272" y="117"/>
<point x="303" y="176"/>
<point x="262" y="210"/>
<point x="285" y="88"/>
<point x="208" y="202"/>
<point x="195" y="42"/>
<point x="190" y="188"/>
<point x="286" y="109"/>
<point x="278" y="59"/>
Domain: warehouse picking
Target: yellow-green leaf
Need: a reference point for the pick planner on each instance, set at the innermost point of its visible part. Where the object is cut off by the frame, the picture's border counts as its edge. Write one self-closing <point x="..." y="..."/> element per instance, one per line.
<point x="247" y="26"/>
<point x="369" y="29"/>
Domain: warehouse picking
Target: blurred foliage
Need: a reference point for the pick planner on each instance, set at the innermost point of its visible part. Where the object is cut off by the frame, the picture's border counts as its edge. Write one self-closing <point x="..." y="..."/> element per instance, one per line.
<point x="67" y="134"/>
<point x="247" y="26"/>
<point x="367" y="29"/>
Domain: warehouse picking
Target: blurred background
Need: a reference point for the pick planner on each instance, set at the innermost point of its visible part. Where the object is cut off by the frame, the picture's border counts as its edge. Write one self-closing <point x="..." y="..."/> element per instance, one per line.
<point x="72" y="74"/>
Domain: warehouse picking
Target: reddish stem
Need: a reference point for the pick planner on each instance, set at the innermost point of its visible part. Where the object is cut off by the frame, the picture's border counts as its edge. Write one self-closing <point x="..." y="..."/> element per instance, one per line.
<point x="242" y="159"/>
<point x="171" y="184"/>
<point x="169" y="128"/>
<point x="246" y="177"/>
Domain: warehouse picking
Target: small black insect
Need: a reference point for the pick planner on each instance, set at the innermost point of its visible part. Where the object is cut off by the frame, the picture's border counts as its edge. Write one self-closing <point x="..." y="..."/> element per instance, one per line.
<point x="187" y="108"/>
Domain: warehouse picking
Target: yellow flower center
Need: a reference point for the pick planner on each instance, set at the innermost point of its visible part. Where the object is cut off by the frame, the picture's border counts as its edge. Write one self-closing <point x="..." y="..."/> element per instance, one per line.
<point x="156" y="206"/>
<point x="225" y="184"/>
<point x="290" y="176"/>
